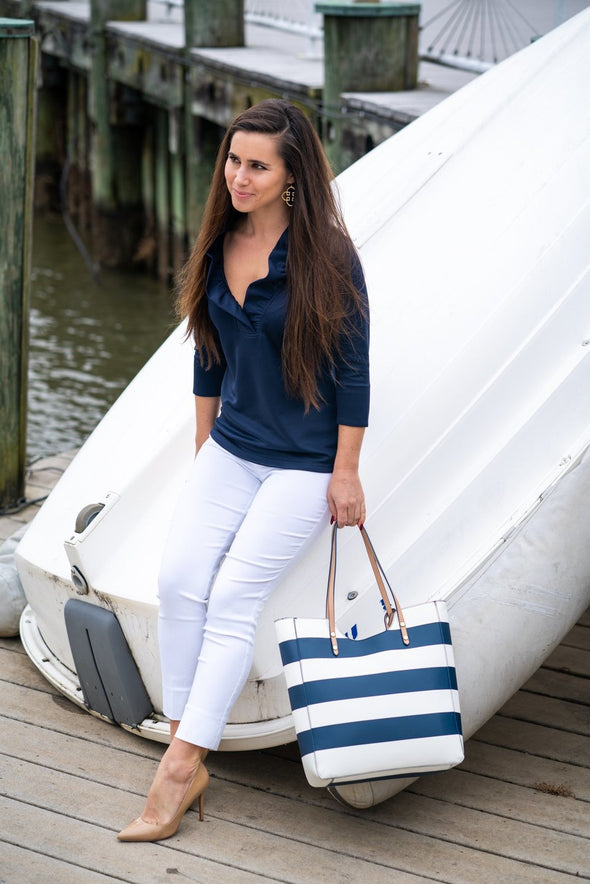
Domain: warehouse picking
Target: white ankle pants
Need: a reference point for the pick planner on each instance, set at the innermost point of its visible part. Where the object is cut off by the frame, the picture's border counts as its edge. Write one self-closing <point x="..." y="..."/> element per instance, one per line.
<point x="236" y="528"/>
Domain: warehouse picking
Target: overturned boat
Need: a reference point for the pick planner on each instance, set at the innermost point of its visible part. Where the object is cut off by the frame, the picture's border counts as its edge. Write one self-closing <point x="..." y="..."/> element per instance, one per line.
<point x="473" y="225"/>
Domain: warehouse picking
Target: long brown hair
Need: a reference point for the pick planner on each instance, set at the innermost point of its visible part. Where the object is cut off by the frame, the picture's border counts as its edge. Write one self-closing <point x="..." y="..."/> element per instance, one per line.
<point x="322" y="295"/>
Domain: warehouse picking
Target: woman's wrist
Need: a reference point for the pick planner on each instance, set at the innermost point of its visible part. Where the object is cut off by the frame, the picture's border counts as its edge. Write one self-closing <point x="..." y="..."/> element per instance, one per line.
<point x="345" y="469"/>
<point x="348" y="450"/>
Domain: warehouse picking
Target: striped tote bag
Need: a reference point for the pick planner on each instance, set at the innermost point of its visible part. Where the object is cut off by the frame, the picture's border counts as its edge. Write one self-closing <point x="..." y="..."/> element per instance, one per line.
<point x="373" y="708"/>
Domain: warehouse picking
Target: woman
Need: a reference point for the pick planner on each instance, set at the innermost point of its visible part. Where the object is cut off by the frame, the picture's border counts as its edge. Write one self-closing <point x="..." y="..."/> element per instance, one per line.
<point x="276" y="304"/>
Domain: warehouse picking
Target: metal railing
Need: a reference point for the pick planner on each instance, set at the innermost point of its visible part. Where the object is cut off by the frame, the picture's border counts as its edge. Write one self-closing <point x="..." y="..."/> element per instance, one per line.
<point x="474" y="35"/>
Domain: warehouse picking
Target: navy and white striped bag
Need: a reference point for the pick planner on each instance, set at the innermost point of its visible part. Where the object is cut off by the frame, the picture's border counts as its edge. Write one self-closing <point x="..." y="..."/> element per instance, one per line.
<point x="373" y="708"/>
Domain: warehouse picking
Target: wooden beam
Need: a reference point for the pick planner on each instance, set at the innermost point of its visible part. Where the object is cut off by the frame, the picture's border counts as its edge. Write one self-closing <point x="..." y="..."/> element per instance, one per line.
<point x="18" y="64"/>
<point x="111" y="155"/>
<point x="162" y="195"/>
<point x="368" y="47"/>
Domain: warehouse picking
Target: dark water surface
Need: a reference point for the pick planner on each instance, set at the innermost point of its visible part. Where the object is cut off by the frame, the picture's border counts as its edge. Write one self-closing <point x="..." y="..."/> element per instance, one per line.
<point x="87" y="341"/>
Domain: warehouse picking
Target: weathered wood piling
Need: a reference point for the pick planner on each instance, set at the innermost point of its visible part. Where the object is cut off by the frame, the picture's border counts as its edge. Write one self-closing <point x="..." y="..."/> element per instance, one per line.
<point x="368" y="47"/>
<point x="18" y="63"/>
<point x="214" y="22"/>
<point x="114" y="145"/>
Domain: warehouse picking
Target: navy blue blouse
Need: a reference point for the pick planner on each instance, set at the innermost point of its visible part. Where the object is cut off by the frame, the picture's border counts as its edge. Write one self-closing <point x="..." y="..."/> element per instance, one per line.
<point x="259" y="421"/>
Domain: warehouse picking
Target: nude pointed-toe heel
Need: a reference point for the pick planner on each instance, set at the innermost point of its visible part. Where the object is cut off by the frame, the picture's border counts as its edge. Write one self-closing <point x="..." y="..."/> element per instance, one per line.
<point x="140" y="830"/>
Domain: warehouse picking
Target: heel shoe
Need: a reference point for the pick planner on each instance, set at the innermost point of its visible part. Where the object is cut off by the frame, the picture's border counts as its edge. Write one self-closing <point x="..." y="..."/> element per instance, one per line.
<point x="140" y="830"/>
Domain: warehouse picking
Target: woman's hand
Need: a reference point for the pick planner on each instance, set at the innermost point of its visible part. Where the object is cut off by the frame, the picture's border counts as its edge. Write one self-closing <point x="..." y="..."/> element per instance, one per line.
<point x="346" y="498"/>
<point x="345" y="495"/>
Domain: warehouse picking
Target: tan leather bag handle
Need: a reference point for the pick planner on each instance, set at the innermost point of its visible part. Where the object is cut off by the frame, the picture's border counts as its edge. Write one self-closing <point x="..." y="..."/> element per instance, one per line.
<point x="382" y="581"/>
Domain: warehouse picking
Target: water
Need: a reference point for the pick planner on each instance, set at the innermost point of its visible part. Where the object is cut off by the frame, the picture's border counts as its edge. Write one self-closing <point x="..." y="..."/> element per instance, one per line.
<point x="87" y="341"/>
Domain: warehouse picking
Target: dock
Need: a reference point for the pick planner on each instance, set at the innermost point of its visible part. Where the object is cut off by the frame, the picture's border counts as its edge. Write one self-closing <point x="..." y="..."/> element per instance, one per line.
<point x="132" y="103"/>
<point x="516" y="810"/>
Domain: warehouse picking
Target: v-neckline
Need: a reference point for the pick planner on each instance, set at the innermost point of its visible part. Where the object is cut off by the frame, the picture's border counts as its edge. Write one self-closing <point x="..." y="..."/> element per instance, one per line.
<point x="253" y="281"/>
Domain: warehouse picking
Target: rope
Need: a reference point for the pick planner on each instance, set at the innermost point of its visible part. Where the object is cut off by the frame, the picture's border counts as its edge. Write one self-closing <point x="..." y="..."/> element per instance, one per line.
<point x="20" y="505"/>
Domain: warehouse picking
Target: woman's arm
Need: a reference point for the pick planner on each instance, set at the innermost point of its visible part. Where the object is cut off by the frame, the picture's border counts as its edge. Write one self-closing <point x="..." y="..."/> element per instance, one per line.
<point x="207" y="409"/>
<point x="346" y="498"/>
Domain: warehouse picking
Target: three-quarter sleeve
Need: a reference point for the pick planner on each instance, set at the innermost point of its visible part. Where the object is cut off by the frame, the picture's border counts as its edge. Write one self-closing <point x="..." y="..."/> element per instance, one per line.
<point x="352" y="365"/>
<point x="207" y="380"/>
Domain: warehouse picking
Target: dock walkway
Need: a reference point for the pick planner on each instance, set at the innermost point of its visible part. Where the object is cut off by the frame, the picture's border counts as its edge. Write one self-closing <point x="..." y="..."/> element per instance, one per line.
<point x="517" y="809"/>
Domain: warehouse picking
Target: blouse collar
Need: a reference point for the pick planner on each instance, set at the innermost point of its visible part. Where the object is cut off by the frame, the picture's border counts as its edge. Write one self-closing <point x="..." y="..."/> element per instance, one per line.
<point x="259" y="291"/>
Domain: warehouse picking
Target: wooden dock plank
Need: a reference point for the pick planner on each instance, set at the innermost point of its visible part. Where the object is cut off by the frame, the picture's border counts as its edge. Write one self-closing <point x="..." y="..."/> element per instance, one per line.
<point x="578" y="637"/>
<point x="559" y="814"/>
<point x="90" y="849"/>
<point x="523" y="769"/>
<point x="560" y="685"/>
<point x="51" y="712"/>
<point x="562" y="714"/>
<point x="16" y="668"/>
<point x="9" y="525"/>
<point x="40" y="478"/>
<point x="247" y="845"/>
<point x="571" y="660"/>
<point x="105" y="735"/>
<point x="288" y="774"/>
<point x="317" y="825"/>
<point x="288" y="855"/>
<point x="40" y="867"/>
<point x="430" y="835"/>
<point x="12" y="644"/>
<point x="535" y="739"/>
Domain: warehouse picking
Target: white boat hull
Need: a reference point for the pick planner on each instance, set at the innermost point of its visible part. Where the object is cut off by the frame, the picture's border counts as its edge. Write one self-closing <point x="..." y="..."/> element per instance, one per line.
<point x="473" y="225"/>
